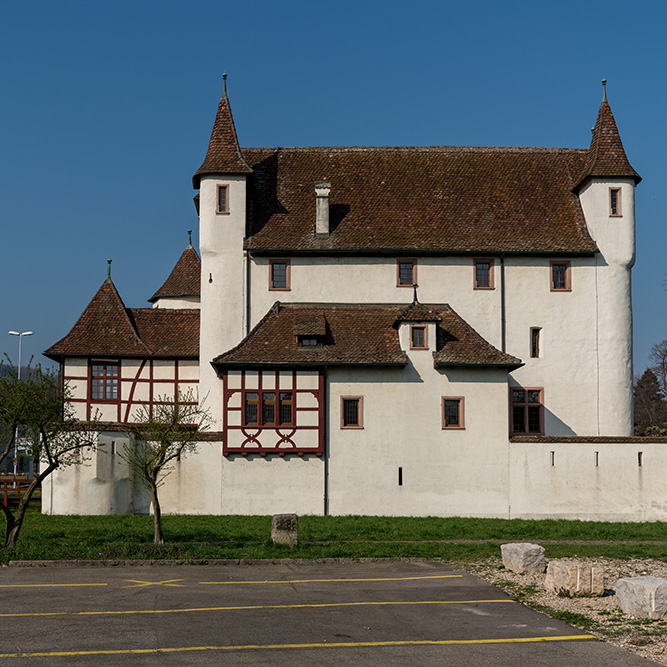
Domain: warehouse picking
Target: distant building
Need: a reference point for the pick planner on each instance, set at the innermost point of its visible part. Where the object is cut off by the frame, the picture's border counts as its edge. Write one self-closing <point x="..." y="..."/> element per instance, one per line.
<point x="427" y="330"/>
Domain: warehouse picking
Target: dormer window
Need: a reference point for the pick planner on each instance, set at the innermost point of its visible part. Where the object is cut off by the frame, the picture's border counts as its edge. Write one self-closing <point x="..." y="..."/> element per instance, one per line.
<point x="222" y="202"/>
<point x="418" y="337"/>
<point x="309" y="341"/>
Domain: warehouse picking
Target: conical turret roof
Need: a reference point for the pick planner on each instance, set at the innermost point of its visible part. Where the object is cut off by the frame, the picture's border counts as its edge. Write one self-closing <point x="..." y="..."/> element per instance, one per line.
<point x="184" y="280"/>
<point x="223" y="155"/>
<point x="104" y="328"/>
<point x="606" y="156"/>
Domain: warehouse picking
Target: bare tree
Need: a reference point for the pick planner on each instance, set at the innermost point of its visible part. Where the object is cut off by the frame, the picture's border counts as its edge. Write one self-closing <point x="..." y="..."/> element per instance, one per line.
<point x="38" y="406"/>
<point x="168" y="431"/>
<point x="658" y="364"/>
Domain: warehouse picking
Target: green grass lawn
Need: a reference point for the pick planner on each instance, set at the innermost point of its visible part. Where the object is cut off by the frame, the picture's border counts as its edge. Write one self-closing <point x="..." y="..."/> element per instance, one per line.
<point x="207" y="537"/>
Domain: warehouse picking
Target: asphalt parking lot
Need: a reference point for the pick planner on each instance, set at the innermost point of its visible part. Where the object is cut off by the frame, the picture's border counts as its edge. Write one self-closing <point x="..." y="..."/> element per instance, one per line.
<point x="370" y="613"/>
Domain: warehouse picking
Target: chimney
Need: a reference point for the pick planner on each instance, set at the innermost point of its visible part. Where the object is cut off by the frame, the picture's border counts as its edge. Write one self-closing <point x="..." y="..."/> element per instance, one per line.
<point x="322" y="190"/>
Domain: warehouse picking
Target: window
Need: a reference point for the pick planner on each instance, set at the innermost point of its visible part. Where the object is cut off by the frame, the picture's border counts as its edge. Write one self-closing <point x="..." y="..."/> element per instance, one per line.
<point x="418" y="337"/>
<point x="272" y="413"/>
<point x="484" y="274"/>
<point x="615" y="202"/>
<point x="279" y="274"/>
<point x="406" y="272"/>
<point x="452" y="412"/>
<point x="351" y="412"/>
<point x="535" y="342"/>
<point x="104" y="381"/>
<point x="222" y="200"/>
<point x="527" y="414"/>
<point x="560" y="277"/>
<point x="309" y="341"/>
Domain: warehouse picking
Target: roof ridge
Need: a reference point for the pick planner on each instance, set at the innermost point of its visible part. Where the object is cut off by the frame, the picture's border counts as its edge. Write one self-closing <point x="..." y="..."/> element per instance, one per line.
<point x="434" y="147"/>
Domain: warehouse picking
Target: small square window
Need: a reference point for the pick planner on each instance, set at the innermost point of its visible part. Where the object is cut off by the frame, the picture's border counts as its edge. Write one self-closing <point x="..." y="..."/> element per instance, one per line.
<point x="615" y="202"/>
<point x="484" y="274"/>
<point x="418" y="337"/>
<point x="351" y="412"/>
<point x="222" y="201"/>
<point x="279" y="274"/>
<point x="560" y="277"/>
<point x="104" y="381"/>
<point x="452" y="412"/>
<point x="406" y="272"/>
<point x="309" y="341"/>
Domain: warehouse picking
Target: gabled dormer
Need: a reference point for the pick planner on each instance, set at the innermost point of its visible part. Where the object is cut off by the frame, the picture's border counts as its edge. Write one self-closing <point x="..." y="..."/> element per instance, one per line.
<point x="417" y="327"/>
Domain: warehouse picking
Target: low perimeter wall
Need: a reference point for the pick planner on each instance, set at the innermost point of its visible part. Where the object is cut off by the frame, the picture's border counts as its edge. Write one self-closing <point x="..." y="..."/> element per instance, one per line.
<point x="588" y="478"/>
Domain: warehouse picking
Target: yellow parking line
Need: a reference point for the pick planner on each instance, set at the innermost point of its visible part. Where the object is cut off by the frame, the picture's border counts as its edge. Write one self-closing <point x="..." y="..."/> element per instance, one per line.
<point x="311" y="581"/>
<point x="247" y="647"/>
<point x="46" y="585"/>
<point x="268" y="606"/>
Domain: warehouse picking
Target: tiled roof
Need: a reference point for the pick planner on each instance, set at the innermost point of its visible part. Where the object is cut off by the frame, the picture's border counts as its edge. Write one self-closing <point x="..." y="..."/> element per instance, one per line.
<point x="357" y="335"/>
<point x="606" y="157"/>
<point x="107" y="328"/>
<point x="412" y="199"/>
<point x="223" y="155"/>
<point x="418" y="312"/>
<point x="184" y="280"/>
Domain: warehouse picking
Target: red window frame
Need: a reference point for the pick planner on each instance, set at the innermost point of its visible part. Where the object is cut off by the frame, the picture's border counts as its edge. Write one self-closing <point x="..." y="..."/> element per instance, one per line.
<point x="222" y="202"/>
<point x="460" y="402"/>
<point x="344" y="422"/>
<point x="476" y="275"/>
<point x="401" y="275"/>
<point x="415" y="330"/>
<point x="104" y="382"/>
<point x="270" y="411"/>
<point x="278" y="282"/>
<point x="554" y="280"/>
<point x="526" y="410"/>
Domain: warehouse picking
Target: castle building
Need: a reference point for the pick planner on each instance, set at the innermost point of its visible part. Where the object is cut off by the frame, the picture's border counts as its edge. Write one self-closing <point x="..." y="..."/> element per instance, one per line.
<point x="429" y="330"/>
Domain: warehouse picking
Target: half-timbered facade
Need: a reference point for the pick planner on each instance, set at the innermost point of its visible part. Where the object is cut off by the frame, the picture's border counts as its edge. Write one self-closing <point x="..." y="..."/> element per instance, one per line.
<point x="388" y="330"/>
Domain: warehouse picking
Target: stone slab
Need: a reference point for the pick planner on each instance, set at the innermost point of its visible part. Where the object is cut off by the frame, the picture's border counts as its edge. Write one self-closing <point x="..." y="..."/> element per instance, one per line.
<point x="643" y="597"/>
<point x="574" y="579"/>
<point x="524" y="557"/>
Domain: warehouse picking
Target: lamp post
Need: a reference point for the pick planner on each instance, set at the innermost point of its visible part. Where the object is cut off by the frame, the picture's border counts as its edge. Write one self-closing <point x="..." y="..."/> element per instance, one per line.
<point x="16" y="434"/>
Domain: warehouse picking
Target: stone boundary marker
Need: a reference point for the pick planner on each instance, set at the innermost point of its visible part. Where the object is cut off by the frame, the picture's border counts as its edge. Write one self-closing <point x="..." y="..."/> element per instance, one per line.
<point x="285" y="529"/>
<point x="643" y="597"/>
<point x="574" y="579"/>
<point x="524" y="557"/>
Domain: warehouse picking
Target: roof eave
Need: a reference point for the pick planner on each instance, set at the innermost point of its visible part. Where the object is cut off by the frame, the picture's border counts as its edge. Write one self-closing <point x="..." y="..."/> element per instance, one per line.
<point x="477" y="364"/>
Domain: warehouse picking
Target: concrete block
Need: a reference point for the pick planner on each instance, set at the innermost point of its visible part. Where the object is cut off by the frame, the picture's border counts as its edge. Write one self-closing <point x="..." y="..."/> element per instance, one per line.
<point x="574" y="579"/>
<point x="284" y="529"/>
<point x="524" y="557"/>
<point x="643" y="597"/>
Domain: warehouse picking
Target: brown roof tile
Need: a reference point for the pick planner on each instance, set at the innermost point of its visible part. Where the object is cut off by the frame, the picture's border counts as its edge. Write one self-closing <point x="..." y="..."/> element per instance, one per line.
<point x="606" y="156"/>
<point x="107" y="328"/>
<point x="184" y="280"/>
<point x="223" y="155"/>
<point x="418" y="312"/>
<point x="430" y="199"/>
<point x="357" y="335"/>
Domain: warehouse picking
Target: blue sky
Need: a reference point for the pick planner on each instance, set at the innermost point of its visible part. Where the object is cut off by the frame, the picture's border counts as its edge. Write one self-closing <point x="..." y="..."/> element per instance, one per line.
<point x="107" y="109"/>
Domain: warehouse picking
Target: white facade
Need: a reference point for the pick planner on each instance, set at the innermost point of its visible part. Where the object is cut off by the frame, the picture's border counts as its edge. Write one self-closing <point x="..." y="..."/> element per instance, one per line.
<point x="530" y="416"/>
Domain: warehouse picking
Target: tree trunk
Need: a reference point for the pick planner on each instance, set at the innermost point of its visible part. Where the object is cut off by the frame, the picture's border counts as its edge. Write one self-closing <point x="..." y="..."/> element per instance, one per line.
<point x="14" y="522"/>
<point x="157" y="516"/>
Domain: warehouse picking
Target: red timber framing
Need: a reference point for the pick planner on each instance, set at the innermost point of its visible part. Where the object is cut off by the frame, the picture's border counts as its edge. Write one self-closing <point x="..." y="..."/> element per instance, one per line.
<point x="249" y="428"/>
<point x="125" y="400"/>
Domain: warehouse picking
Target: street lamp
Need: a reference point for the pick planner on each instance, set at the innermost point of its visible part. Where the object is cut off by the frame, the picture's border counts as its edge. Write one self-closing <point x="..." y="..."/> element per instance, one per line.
<point x="20" y="335"/>
<point x="16" y="434"/>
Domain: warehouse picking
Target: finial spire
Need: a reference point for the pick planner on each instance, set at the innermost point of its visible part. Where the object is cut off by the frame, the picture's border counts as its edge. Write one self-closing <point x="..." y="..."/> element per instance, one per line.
<point x="604" y="90"/>
<point x="189" y="239"/>
<point x="224" y="86"/>
<point x="415" y="300"/>
<point x="108" y="269"/>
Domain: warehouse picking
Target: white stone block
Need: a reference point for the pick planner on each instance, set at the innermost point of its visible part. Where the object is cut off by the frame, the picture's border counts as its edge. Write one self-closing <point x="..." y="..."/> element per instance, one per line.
<point x="643" y="597"/>
<point x="574" y="579"/>
<point x="524" y="557"/>
<point x="284" y="529"/>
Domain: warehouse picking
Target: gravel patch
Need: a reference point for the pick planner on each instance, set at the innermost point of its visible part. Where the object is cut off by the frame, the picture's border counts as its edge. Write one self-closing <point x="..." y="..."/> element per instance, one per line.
<point x="599" y="616"/>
